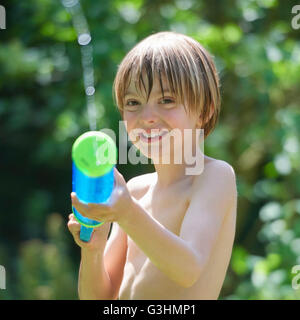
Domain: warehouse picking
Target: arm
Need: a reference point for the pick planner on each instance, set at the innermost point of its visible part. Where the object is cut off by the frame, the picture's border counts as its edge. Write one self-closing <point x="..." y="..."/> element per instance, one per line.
<point x="183" y="257"/>
<point x="101" y="272"/>
<point x="102" y="262"/>
<point x="115" y="258"/>
<point x="93" y="282"/>
<point x="206" y="214"/>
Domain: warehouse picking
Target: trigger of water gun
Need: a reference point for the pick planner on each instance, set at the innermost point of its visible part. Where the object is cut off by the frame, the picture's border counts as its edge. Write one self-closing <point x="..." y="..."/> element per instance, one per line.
<point x="85" y="233"/>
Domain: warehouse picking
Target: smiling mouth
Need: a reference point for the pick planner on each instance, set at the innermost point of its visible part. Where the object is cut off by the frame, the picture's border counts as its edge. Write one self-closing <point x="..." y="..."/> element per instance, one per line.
<point x="153" y="137"/>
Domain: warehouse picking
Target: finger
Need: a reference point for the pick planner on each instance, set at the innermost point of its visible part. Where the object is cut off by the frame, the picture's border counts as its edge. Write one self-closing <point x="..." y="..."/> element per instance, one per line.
<point x="119" y="179"/>
<point x="85" y="209"/>
<point x="73" y="226"/>
<point x="73" y="220"/>
<point x="91" y="211"/>
<point x="75" y="200"/>
<point x="80" y="206"/>
<point x="100" y="207"/>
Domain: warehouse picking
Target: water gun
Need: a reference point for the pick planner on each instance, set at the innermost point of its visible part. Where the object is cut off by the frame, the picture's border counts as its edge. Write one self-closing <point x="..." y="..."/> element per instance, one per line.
<point x="94" y="155"/>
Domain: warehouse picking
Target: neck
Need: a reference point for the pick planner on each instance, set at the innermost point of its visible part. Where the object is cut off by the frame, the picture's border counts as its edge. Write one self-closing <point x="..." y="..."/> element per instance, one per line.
<point x="168" y="175"/>
<point x="172" y="173"/>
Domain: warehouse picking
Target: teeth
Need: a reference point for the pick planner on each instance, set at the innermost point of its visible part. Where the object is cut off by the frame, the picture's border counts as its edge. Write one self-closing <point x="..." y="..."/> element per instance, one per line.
<point x="153" y="135"/>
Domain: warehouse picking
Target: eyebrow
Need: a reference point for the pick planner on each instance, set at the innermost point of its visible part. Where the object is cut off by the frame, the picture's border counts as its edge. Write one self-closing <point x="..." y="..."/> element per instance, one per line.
<point x="155" y="92"/>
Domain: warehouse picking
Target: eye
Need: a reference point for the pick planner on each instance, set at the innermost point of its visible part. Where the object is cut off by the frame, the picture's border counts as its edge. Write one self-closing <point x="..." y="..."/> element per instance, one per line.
<point x="129" y="101"/>
<point x="131" y="105"/>
<point x="167" y="101"/>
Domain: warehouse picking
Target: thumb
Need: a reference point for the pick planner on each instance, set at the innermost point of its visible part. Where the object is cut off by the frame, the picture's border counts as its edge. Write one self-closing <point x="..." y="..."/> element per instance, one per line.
<point x="119" y="179"/>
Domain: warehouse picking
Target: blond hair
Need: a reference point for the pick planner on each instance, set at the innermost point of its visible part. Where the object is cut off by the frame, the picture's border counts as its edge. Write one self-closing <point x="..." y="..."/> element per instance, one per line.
<point x="187" y="67"/>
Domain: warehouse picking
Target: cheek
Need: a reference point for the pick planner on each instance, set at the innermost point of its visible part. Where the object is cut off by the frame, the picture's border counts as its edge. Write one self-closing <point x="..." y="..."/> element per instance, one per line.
<point x="131" y="129"/>
<point x="177" y="120"/>
<point x="128" y="116"/>
<point x="129" y="119"/>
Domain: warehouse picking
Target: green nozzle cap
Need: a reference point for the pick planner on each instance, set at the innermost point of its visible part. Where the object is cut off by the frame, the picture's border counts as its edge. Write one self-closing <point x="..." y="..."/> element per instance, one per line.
<point x="94" y="153"/>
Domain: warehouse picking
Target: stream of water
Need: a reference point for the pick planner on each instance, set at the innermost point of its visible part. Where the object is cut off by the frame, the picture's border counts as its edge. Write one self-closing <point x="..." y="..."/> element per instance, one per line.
<point x="85" y="41"/>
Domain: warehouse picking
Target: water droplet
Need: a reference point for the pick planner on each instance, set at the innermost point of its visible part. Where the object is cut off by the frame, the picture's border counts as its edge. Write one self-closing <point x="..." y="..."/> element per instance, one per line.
<point x="90" y="91"/>
<point x="69" y="3"/>
<point x="84" y="39"/>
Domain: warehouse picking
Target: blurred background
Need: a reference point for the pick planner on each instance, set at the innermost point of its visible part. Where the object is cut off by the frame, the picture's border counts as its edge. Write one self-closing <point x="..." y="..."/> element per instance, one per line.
<point x="43" y="110"/>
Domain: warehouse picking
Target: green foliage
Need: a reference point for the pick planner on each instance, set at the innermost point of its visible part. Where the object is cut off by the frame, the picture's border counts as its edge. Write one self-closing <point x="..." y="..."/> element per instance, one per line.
<point x="45" y="270"/>
<point x="43" y="110"/>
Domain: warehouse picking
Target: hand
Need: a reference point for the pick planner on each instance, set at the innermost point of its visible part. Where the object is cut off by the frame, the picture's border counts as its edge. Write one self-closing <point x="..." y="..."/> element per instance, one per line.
<point x="117" y="209"/>
<point x="98" y="238"/>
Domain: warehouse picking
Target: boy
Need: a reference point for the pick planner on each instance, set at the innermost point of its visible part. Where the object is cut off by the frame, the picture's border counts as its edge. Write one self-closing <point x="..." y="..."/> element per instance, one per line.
<point x="173" y="233"/>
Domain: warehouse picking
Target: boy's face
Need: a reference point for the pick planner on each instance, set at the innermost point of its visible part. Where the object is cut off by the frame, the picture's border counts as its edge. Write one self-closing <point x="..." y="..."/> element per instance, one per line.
<point x="160" y="115"/>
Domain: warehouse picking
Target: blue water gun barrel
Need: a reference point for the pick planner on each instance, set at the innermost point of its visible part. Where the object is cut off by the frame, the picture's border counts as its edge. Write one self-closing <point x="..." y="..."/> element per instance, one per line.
<point x="94" y="156"/>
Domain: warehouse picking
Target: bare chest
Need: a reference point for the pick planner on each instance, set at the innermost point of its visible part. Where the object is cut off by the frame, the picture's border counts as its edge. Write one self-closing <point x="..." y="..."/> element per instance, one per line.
<point x="167" y="208"/>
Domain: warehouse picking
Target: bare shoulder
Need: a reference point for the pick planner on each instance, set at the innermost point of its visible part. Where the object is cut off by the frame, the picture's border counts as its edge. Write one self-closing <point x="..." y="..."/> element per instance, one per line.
<point x="139" y="185"/>
<point x="216" y="174"/>
<point x="215" y="189"/>
<point x="216" y="166"/>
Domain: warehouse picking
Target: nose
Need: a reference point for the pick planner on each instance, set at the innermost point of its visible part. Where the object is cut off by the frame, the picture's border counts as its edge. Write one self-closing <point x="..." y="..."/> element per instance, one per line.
<point x="148" y="115"/>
